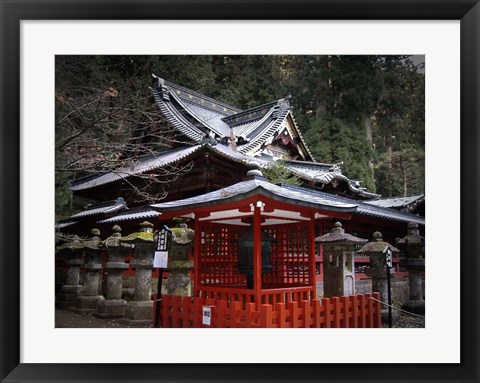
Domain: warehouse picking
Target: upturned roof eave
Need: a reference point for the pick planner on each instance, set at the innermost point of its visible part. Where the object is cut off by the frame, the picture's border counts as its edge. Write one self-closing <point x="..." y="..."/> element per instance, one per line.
<point x="257" y="190"/>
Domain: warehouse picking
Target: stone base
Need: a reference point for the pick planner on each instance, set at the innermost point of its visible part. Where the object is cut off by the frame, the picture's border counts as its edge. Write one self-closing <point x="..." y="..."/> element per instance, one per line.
<point x="139" y="312"/>
<point x="110" y="308"/>
<point x="68" y="296"/>
<point x="86" y="304"/>
<point x="63" y="301"/>
<point x="72" y="289"/>
<point x="415" y="307"/>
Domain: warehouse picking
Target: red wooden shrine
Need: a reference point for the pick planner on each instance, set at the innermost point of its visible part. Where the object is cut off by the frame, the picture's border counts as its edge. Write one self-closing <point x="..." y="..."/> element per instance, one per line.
<point x="255" y="250"/>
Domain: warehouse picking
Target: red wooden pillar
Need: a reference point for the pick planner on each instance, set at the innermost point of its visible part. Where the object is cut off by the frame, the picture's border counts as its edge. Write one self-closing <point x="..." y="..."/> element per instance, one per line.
<point x="319" y="278"/>
<point x="197" y="245"/>
<point x="311" y="255"/>
<point x="257" y="253"/>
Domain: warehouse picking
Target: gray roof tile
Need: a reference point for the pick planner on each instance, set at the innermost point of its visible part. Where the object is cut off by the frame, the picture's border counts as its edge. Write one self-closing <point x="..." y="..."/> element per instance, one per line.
<point x="394" y="202"/>
<point x="133" y="214"/>
<point x="142" y="166"/>
<point x="364" y="208"/>
<point x="250" y="187"/>
<point x="102" y="208"/>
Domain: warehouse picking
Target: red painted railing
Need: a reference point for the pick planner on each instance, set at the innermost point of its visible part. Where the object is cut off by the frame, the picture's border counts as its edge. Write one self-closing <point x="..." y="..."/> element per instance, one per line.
<point x="356" y="311"/>
<point x="270" y="296"/>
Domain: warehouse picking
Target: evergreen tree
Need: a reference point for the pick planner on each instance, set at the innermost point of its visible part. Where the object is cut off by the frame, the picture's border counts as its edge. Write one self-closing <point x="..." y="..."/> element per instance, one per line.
<point x="365" y="111"/>
<point x="277" y="172"/>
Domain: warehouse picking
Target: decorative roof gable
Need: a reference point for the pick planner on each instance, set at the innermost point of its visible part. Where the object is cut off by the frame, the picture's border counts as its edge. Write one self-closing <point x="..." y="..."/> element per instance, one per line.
<point x="197" y="116"/>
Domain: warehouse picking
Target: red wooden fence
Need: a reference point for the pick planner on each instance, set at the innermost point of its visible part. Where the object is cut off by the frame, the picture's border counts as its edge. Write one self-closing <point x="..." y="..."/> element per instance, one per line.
<point x="356" y="311"/>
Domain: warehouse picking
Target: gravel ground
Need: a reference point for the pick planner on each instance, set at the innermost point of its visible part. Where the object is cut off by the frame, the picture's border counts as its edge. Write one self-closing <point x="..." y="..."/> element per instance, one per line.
<point x="408" y="321"/>
<point x="68" y="319"/>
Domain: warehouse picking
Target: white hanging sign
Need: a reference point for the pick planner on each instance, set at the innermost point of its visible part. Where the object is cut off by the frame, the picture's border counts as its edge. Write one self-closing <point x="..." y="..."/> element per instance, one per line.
<point x="206" y="315"/>
<point x="160" y="259"/>
<point x="389" y="257"/>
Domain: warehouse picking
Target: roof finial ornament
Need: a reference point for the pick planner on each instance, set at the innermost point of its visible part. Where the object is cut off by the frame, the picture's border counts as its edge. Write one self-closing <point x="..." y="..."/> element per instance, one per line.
<point x="254" y="169"/>
<point x="233" y="144"/>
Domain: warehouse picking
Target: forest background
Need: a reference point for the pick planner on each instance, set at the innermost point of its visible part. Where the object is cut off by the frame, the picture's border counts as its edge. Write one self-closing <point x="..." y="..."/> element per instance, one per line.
<point x="367" y="112"/>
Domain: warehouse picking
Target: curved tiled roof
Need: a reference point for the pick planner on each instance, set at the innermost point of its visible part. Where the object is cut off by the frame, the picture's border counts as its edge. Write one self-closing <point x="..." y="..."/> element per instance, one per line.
<point x="251" y="187"/>
<point x="398" y="202"/>
<point x="262" y="134"/>
<point x="147" y="164"/>
<point x="293" y="194"/>
<point x="200" y="99"/>
<point x="196" y="115"/>
<point x="65" y="223"/>
<point x="325" y="176"/>
<point x="102" y="208"/>
<point x="313" y="171"/>
<point x="177" y="120"/>
<point x="132" y="214"/>
<point x="246" y="129"/>
<point x="365" y="208"/>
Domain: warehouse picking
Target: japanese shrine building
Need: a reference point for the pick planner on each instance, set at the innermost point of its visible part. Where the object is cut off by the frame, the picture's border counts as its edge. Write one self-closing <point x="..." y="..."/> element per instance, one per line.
<point x="219" y="144"/>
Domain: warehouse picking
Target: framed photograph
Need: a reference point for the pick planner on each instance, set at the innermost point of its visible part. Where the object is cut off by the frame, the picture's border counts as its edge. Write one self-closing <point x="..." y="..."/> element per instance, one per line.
<point x="444" y="33"/>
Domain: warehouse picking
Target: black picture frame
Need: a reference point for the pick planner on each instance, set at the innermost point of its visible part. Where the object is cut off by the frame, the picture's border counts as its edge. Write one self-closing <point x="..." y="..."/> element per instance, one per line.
<point x="12" y="12"/>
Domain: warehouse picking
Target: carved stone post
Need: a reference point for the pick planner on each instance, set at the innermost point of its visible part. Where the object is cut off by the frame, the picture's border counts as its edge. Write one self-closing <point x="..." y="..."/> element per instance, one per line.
<point x="376" y="250"/>
<point x="114" y="306"/>
<point x="87" y="303"/>
<point x="338" y="262"/>
<point x="413" y="247"/>
<point x="69" y="292"/>
<point x="140" y="310"/>
<point x="179" y="281"/>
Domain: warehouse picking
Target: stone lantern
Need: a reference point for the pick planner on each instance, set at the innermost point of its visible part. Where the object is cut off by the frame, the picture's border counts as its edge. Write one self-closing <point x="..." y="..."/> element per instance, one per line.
<point x="376" y="250"/>
<point x="140" y="310"/>
<point x="74" y="254"/>
<point x="179" y="264"/>
<point x="87" y="302"/>
<point x="114" y="306"/>
<point x="412" y="245"/>
<point x="338" y="261"/>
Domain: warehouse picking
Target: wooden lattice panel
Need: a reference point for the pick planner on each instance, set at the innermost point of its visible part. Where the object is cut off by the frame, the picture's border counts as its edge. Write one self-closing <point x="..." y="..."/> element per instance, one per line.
<point x="218" y="261"/>
<point x="289" y="256"/>
<point x="219" y="256"/>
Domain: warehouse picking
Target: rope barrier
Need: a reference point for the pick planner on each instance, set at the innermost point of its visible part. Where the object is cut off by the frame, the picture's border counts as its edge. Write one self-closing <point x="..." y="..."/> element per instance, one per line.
<point x="396" y="308"/>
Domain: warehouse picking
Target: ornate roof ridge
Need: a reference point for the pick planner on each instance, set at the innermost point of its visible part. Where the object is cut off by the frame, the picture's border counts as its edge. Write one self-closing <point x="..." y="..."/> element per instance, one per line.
<point x="311" y="163"/>
<point x="183" y="104"/>
<point x="281" y="102"/>
<point x="259" y="139"/>
<point x="170" y="84"/>
<point x="178" y="121"/>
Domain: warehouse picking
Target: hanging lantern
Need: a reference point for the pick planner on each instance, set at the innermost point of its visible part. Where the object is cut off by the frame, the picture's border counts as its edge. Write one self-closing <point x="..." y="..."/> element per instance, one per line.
<point x="245" y="254"/>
